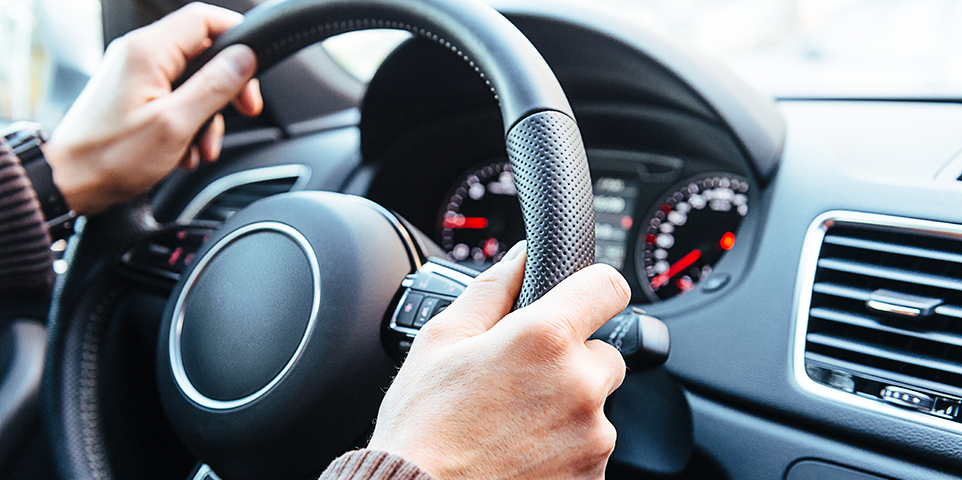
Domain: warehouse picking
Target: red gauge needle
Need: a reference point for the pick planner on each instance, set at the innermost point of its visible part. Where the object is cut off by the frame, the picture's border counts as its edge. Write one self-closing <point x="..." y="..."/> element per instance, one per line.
<point x="680" y="265"/>
<point x="472" y="223"/>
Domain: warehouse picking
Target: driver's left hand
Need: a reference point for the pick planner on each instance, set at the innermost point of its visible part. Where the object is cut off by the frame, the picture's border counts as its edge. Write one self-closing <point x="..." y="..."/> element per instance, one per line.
<point x="129" y="129"/>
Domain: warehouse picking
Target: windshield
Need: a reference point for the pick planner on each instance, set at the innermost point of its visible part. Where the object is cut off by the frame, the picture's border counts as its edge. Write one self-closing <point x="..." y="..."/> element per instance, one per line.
<point x="820" y="48"/>
<point x="785" y="48"/>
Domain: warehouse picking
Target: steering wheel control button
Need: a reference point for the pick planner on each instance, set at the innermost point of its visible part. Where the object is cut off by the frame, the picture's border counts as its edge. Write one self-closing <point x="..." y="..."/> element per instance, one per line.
<point x="427" y="281"/>
<point x="409" y="309"/>
<point x="429" y="292"/>
<point x="426" y="311"/>
<point x="642" y="340"/>
<point x="244" y="315"/>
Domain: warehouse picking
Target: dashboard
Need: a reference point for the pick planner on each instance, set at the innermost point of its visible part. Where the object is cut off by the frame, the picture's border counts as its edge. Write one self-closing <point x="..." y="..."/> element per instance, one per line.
<point x="733" y="217"/>
<point x="664" y="232"/>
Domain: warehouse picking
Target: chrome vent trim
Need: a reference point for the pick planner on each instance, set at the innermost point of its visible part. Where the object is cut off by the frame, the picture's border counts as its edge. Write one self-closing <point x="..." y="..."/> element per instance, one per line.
<point x="299" y="175"/>
<point x="847" y="327"/>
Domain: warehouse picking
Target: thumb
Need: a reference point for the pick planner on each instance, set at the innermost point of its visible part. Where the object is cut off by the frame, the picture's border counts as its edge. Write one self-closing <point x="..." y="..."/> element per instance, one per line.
<point x="214" y="85"/>
<point x="489" y="297"/>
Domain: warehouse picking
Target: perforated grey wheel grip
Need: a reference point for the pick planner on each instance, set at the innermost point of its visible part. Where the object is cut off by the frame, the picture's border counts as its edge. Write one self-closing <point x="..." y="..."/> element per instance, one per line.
<point x="554" y="186"/>
<point x="544" y="144"/>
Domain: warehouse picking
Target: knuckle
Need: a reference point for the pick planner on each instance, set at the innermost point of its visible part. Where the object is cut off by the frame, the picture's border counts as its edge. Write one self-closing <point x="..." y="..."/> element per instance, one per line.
<point x="170" y="125"/>
<point x="434" y="331"/>
<point x="605" y="438"/>
<point x="614" y="287"/>
<point x="133" y="45"/>
<point x="586" y="401"/>
<point x="195" y="9"/>
<point x="543" y="335"/>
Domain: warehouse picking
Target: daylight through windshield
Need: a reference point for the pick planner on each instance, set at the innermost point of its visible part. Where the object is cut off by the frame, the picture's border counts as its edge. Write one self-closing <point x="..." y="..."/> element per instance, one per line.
<point x="785" y="48"/>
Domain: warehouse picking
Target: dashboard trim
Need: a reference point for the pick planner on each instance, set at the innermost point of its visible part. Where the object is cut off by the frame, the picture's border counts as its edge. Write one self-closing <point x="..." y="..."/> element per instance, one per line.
<point x="174" y="353"/>
<point x="223" y="184"/>
<point x="805" y="282"/>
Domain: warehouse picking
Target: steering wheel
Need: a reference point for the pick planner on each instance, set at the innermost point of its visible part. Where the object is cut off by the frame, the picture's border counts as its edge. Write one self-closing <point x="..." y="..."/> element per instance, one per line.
<point x="270" y="358"/>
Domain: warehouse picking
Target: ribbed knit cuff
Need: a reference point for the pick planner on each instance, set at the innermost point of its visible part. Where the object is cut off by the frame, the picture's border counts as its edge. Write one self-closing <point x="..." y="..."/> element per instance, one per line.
<point x="373" y="465"/>
<point x="26" y="263"/>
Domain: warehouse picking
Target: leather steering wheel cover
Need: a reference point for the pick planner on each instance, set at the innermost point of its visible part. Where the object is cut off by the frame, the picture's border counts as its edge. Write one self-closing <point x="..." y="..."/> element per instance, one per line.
<point x="518" y="76"/>
<point x="83" y="305"/>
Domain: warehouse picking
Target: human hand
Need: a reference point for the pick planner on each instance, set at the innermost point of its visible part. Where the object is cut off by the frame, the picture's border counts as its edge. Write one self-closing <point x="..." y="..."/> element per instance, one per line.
<point x="488" y="394"/>
<point x="129" y="129"/>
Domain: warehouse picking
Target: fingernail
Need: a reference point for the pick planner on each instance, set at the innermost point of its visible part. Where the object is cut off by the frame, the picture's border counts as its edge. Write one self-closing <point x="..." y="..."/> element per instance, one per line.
<point x="515" y="251"/>
<point x="240" y="59"/>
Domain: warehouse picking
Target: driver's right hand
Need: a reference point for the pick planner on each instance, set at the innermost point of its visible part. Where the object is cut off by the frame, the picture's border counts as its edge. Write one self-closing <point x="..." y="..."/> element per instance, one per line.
<point x="489" y="393"/>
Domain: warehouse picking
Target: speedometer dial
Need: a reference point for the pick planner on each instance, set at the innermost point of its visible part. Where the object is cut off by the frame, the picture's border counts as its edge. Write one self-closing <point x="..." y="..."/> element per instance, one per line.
<point x="688" y="231"/>
<point x="481" y="218"/>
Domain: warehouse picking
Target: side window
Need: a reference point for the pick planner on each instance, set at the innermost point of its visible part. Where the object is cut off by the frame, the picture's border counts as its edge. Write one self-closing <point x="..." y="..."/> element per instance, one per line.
<point x="49" y="48"/>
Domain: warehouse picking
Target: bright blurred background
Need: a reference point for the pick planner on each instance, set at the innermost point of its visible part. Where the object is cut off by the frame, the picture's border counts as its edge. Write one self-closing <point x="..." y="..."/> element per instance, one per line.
<point x="48" y="50"/>
<point x="785" y="48"/>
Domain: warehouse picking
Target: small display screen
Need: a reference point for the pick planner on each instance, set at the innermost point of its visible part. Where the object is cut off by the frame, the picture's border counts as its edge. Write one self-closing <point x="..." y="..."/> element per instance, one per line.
<point x="615" y="199"/>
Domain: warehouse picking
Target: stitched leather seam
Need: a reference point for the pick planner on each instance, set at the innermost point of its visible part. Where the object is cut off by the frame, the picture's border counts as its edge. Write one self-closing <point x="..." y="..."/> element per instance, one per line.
<point x="94" y="449"/>
<point x="303" y="38"/>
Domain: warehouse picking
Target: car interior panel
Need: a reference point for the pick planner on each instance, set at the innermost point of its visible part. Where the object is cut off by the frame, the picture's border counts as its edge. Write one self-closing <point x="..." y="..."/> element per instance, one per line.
<point x="804" y="253"/>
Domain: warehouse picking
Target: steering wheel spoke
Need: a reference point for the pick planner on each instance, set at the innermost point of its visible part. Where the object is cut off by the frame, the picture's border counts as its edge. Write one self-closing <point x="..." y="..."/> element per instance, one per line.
<point x="642" y="340"/>
<point x="427" y="293"/>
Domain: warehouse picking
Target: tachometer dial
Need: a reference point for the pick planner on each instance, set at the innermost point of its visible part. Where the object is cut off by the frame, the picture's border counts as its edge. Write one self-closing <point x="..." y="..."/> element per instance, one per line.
<point x="688" y="231"/>
<point x="481" y="218"/>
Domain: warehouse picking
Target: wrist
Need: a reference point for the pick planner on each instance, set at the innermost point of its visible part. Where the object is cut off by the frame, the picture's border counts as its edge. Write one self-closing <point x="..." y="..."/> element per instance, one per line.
<point x="78" y="186"/>
<point x="26" y="140"/>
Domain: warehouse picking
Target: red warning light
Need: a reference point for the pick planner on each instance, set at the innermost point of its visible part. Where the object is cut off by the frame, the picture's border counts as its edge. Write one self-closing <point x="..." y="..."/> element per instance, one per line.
<point x="471" y="223"/>
<point x="727" y="241"/>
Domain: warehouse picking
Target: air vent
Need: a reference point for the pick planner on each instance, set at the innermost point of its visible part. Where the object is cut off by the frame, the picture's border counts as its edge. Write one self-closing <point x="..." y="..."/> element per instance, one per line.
<point x="232" y="193"/>
<point x="880" y="314"/>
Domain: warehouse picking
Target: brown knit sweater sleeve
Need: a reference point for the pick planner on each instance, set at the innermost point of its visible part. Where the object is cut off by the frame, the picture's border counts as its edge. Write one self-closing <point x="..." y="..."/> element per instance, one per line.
<point x="373" y="465"/>
<point x="26" y="264"/>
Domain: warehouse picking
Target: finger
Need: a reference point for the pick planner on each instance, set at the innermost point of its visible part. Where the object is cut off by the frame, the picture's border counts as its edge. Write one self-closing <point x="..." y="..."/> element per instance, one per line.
<point x="249" y="101"/>
<point x="212" y="87"/>
<point x="192" y="27"/>
<point x="191" y="158"/>
<point x="211" y="139"/>
<point x="609" y="363"/>
<point x="491" y="295"/>
<point x="583" y="302"/>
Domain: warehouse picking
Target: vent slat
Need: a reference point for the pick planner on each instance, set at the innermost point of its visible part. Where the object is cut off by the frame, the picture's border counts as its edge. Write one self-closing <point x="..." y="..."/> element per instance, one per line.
<point x="949" y="311"/>
<point x="884" y="312"/>
<point x="237" y="198"/>
<point x="879" y="374"/>
<point x="884" y="353"/>
<point x="893" y="248"/>
<point x="889" y="273"/>
<point x="868" y="322"/>
<point x="844" y="291"/>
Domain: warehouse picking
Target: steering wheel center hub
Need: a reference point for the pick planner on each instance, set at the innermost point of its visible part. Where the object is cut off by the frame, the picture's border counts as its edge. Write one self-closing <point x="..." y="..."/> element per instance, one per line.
<point x="245" y="315"/>
<point x="271" y="349"/>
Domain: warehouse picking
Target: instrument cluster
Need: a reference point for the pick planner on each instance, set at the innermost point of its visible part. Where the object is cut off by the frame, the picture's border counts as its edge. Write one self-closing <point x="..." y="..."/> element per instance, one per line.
<point x="665" y="235"/>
